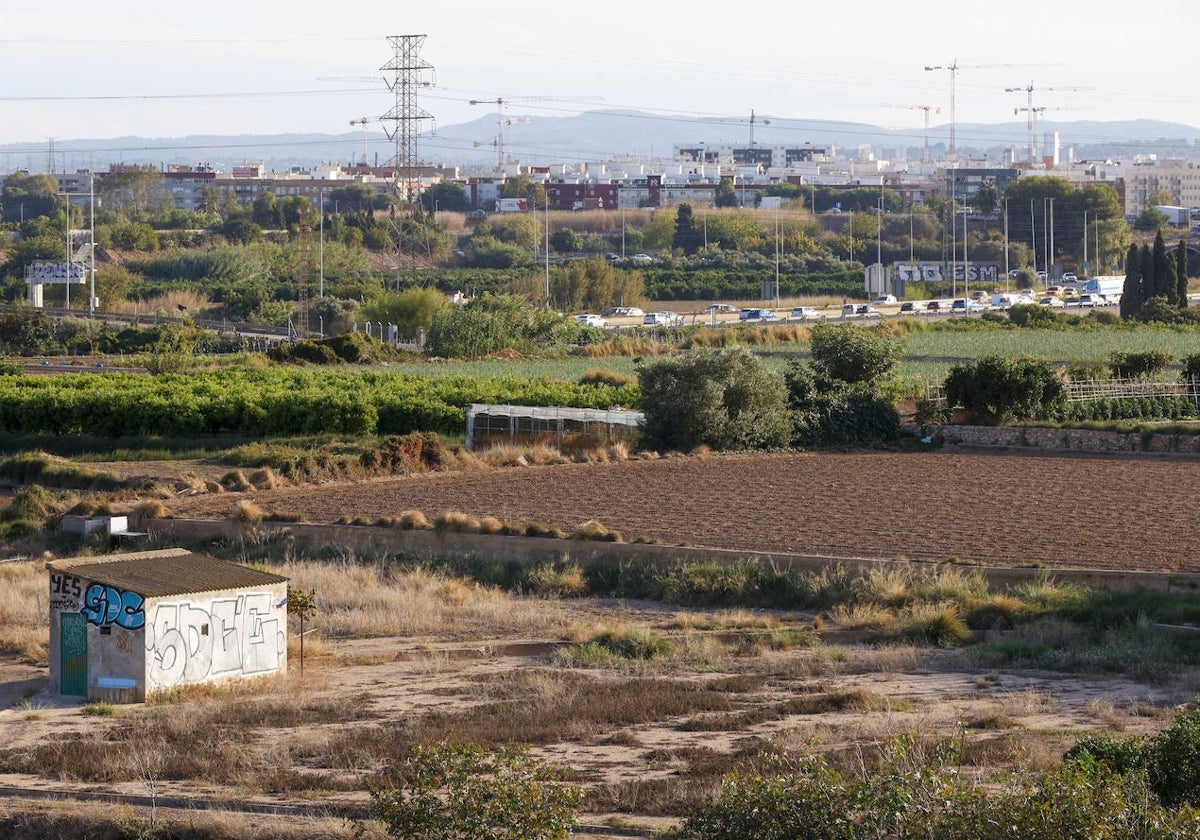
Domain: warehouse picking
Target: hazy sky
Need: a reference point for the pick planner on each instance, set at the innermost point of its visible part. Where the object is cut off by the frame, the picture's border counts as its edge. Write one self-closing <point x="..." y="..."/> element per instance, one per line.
<point x="73" y="69"/>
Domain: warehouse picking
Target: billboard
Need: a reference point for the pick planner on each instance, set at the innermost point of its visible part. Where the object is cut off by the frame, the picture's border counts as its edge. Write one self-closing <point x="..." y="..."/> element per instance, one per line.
<point x="54" y="271"/>
<point x="938" y="272"/>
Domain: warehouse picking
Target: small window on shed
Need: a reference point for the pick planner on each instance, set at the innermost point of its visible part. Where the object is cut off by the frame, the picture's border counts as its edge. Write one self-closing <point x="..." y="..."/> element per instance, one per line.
<point x="203" y="629"/>
<point x="106" y="631"/>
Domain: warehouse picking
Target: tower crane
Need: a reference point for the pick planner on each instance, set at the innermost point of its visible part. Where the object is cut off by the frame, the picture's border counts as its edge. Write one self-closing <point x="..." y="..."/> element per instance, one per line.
<point x="1031" y="112"/>
<point x="502" y="123"/>
<point x="363" y="122"/>
<point x="926" y="108"/>
<point x="953" y="68"/>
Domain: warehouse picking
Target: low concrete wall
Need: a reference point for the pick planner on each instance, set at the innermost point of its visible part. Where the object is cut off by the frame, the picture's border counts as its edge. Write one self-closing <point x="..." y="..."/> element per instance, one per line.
<point x="1074" y="440"/>
<point x="536" y="551"/>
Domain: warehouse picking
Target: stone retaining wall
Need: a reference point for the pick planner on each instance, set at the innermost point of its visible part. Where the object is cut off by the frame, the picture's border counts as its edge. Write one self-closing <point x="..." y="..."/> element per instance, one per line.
<point x="1075" y="440"/>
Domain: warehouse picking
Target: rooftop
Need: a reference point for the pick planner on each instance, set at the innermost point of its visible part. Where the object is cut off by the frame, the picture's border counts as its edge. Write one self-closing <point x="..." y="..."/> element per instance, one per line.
<point x="170" y="571"/>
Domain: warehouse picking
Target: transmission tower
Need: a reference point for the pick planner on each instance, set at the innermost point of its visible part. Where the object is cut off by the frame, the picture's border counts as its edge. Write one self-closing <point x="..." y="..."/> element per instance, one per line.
<point x="406" y="71"/>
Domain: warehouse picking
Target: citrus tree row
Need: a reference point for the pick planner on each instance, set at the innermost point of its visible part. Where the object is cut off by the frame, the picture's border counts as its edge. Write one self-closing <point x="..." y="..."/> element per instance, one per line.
<point x="273" y="402"/>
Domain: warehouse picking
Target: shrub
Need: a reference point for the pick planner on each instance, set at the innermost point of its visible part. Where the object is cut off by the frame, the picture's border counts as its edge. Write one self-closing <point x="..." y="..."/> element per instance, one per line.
<point x="998" y="389"/>
<point x="853" y="354"/>
<point x="725" y="400"/>
<point x="1173" y="761"/>
<point x="1032" y="315"/>
<point x="1125" y="365"/>
<point x="464" y="790"/>
<point x="1116" y="755"/>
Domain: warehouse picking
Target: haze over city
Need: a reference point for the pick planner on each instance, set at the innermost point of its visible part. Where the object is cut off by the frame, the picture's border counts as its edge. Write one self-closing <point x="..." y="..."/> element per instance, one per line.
<point x="120" y="70"/>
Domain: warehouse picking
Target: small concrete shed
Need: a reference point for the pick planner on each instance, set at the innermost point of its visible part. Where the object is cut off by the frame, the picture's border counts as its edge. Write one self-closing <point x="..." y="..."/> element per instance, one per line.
<point x="124" y="626"/>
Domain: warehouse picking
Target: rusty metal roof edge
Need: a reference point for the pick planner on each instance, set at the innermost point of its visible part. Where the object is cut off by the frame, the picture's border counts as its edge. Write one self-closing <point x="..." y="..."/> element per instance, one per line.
<point x="63" y="563"/>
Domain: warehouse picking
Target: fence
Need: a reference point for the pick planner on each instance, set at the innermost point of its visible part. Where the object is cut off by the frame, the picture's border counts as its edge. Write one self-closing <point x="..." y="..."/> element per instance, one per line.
<point x="1089" y="390"/>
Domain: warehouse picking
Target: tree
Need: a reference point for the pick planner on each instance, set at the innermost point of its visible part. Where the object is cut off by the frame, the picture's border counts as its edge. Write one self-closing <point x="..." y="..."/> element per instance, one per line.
<point x="113" y="285"/>
<point x="303" y="605"/>
<point x="1150" y="219"/>
<point x="726" y="400"/>
<point x="132" y="189"/>
<point x="1162" y="281"/>
<point x="725" y="195"/>
<point x="27" y="196"/>
<point x="240" y="230"/>
<point x="687" y="238"/>
<point x="999" y="389"/>
<point x="850" y="353"/>
<point x="985" y="197"/>
<point x="1133" y="292"/>
<point x="566" y="241"/>
<point x="520" y="186"/>
<point x="447" y="196"/>
<point x="465" y="792"/>
<point x="1181" y="275"/>
<point x="410" y="310"/>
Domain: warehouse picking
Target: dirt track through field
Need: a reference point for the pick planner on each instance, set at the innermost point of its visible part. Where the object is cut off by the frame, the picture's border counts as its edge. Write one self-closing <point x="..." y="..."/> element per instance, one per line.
<point x="1137" y="513"/>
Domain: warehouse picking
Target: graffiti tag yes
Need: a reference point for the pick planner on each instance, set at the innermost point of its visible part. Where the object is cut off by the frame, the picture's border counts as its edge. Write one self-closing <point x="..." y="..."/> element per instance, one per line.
<point x="105" y="605"/>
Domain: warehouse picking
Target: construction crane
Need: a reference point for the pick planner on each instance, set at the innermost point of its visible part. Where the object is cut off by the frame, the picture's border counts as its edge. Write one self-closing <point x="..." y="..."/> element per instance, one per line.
<point x="926" y="108"/>
<point x="502" y="122"/>
<point x="953" y="68"/>
<point x="363" y="122"/>
<point x="1031" y="112"/>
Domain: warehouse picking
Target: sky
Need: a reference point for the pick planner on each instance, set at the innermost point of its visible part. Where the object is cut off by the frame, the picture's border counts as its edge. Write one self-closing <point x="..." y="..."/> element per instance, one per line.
<point x="76" y="70"/>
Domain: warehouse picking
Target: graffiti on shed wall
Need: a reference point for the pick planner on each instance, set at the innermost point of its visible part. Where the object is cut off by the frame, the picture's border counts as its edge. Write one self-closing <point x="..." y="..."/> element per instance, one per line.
<point x="107" y="605"/>
<point x="234" y="636"/>
<point x="65" y="592"/>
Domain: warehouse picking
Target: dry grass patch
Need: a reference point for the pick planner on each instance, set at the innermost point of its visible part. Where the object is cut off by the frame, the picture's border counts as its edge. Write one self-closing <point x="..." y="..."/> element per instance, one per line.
<point x="360" y="600"/>
<point x="24" y="624"/>
<point x="247" y="511"/>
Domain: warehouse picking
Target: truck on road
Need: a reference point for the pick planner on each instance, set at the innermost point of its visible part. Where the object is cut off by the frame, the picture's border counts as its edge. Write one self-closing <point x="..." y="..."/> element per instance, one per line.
<point x="1108" y="285"/>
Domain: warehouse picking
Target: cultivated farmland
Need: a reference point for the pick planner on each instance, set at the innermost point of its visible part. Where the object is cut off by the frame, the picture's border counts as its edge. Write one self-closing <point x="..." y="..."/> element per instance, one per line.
<point x="1002" y="509"/>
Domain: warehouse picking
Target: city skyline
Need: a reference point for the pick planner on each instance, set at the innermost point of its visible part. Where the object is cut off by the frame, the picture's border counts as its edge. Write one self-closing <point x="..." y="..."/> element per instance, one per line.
<point x="124" y="71"/>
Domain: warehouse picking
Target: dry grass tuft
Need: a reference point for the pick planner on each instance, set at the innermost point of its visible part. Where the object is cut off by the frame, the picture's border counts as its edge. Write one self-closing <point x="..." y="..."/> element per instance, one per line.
<point x="264" y="478"/>
<point x="148" y="510"/>
<point x="413" y="520"/>
<point x="455" y="522"/>
<point x="247" y="511"/>
<point x="596" y="531"/>
<point x="24" y="625"/>
<point x="491" y="525"/>
<point x="236" y="482"/>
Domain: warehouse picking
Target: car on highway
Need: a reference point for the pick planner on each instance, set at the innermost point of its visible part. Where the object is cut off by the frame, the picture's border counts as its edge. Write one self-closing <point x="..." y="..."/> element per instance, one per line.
<point x="1070" y="277"/>
<point x="1052" y="301"/>
<point x="642" y="258"/>
<point x="866" y="310"/>
<point x="1090" y="300"/>
<point x="623" y="312"/>
<point x="756" y="315"/>
<point x="848" y="310"/>
<point x="935" y="306"/>
<point x="965" y="305"/>
<point x="805" y="313"/>
<point x="885" y="300"/>
<point x="720" y="307"/>
<point x="590" y="320"/>
<point x="662" y="319"/>
<point x="911" y="306"/>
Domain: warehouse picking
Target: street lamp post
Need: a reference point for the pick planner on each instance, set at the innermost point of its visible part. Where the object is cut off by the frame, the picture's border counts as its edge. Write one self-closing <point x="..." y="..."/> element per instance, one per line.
<point x="92" y="249"/>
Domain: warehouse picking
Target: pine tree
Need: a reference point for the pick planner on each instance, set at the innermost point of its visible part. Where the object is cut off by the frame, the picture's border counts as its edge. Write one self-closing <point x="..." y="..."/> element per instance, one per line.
<point x="687" y="238"/>
<point x="1131" y="292"/>
<point x="1181" y="280"/>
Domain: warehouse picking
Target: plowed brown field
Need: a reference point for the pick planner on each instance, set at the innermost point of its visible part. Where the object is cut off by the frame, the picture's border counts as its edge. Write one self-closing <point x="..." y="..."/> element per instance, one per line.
<point x="1123" y="512"/>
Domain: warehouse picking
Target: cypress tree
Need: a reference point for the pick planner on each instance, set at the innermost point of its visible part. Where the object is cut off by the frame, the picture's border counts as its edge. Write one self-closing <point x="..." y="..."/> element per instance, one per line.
<point x="1164" y="272"/>
<point x="1181" y="281"/>
<point x="1131" y="292"/>
<point x="1147" y="275"/>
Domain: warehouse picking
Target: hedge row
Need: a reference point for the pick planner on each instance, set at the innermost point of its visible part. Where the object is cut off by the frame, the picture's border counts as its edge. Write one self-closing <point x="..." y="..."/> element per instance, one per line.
<point x="273" y="402"/>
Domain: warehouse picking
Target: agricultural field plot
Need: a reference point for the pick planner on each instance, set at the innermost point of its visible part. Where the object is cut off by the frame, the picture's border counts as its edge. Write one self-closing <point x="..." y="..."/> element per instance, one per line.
<point x="1135" y="513"/>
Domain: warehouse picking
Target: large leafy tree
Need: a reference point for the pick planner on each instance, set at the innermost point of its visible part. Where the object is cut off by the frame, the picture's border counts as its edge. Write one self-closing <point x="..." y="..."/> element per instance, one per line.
<point x="447" y="196"/>
<point x="27" y="196"/>
<point x="134" y="189"/>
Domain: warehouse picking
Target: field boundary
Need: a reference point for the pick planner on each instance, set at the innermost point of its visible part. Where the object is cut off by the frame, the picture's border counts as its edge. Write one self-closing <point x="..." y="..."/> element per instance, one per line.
<point x="534" y="551"/>
<point x="1062" y="439"/>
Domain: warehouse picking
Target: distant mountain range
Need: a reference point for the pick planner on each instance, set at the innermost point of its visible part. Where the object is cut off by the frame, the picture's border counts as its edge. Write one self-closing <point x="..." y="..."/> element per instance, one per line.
<point x="604" y="135"/>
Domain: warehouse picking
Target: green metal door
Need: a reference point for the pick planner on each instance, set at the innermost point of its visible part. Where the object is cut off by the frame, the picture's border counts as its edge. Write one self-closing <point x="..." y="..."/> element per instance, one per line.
<point x="72" y="639"/>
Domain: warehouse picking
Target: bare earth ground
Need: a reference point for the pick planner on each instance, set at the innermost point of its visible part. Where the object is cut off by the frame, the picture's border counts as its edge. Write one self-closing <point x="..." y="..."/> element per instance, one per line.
<point x="1134" y="513"/>
<point x="1002" y="509"/>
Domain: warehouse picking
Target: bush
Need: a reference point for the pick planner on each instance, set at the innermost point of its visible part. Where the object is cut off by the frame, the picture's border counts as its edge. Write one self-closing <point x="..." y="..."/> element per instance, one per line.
<point x="998" y="390"/>
<point x="1146" y="365"/>
<point x="1173" y="761"/>
<point x="1032" y="315"/>
<point x="725" y="400"/>
<point x="829" y="412"/>
<point x="853" y="354"/>
<point x="464" y="790"/>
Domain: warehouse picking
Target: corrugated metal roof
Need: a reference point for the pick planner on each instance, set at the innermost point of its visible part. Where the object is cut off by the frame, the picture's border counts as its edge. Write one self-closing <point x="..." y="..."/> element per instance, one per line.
<point x="172" y="571"/>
